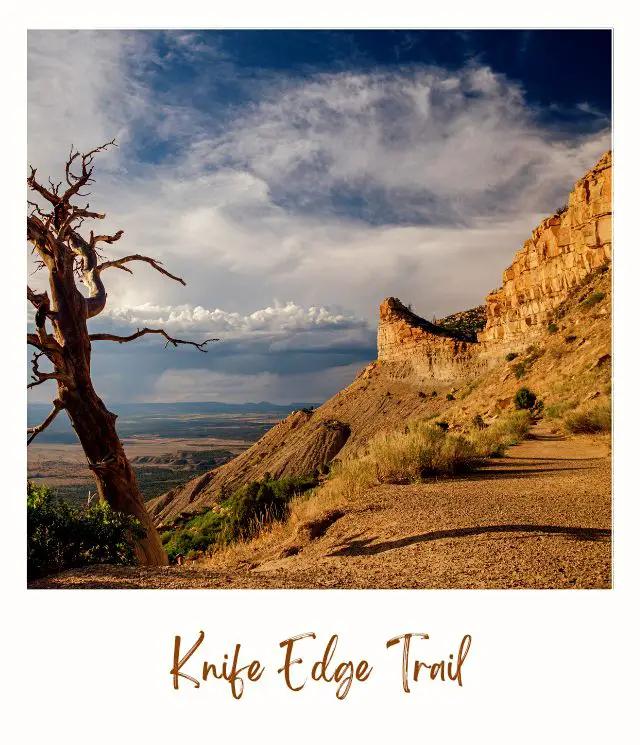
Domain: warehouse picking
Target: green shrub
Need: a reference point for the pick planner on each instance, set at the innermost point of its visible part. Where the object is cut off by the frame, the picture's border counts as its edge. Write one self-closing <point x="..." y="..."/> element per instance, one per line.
<point x="60" y="536"/>
<point x="511" y="356"/>
<point x="561" y="210"/>
<point x="553" y="328"/>
<point x="434" y="394"/>
<point x="239" y="516"/>
<point x="450" y="397"/>
<point x="524" y="399"/>
<point x="519" y="370"/>
<point x="478" y="422"/>
<point x="589" y="421"/>
<point x="593" y="299"/>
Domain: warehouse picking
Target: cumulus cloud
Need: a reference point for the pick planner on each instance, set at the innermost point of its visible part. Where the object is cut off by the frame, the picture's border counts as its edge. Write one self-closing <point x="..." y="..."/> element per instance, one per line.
<point x="281" y="317"/>
<point x="331" y="190"/>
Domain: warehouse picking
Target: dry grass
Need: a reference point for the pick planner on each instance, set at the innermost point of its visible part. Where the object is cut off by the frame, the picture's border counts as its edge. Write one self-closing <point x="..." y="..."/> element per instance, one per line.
<point x="493" y="441"/>
<point x="419" y="450"/>
<point x="589" y="421"/>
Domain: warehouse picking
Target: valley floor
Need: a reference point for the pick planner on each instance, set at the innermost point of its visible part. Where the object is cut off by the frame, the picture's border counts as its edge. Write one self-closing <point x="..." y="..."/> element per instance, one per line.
<point x="538" y="518"/>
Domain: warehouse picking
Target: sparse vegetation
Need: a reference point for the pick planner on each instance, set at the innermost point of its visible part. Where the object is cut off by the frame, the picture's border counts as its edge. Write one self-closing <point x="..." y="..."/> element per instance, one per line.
<point x="240" y="516"/>
<point x="511" y="356"/>
<point x="444" y="426"/>
<point x="553" y="328"/>
<point x="558" y="410"/>
<point x="561" y="210"/>
<point x="532" y="353"/>
<point x="478" y="422"/>
<point x="492" y="441"/>
<point x="570" y="338"/>
<point x="556" y="352"/>
<point x="465" y="324"/>
<point x="594" y="420"/>
<point x="421" y="451"/>
<point x="519" y="370"/>
<point x="524" y="399"/>
<point x="468" y="389"/>
<point x="61" y="536"/>
<point x="450" y="397"/>
<point x="593" y="299"/>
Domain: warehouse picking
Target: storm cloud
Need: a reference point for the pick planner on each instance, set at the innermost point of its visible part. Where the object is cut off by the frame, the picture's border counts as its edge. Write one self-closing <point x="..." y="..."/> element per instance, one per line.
<point x="291" y="204"/>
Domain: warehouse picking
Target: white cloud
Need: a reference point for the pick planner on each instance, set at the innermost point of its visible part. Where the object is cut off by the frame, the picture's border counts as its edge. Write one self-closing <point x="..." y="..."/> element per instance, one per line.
<point x="332" y="190"/>
<point x="281" y="317"/>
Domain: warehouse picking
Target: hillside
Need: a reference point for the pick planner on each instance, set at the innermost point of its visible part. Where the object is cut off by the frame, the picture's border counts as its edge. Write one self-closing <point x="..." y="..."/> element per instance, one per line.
<point x="426" y="370"/>
<point x="539" y="516"/>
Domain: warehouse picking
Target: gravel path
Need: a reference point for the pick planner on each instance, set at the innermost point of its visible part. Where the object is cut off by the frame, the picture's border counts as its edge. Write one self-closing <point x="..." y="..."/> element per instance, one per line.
<point x="538" y="518"/>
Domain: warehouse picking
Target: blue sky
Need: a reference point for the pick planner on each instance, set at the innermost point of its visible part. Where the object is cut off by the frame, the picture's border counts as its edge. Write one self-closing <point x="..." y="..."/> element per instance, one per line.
<point x="295" y="179"/>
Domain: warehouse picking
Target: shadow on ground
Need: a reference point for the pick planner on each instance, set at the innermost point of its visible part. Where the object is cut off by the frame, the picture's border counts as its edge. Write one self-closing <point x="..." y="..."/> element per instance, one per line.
<point x="365" y="547"/>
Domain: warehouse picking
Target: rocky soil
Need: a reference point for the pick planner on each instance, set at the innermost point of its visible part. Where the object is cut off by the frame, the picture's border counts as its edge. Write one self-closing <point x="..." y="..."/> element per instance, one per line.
<point x="538" y="518"/>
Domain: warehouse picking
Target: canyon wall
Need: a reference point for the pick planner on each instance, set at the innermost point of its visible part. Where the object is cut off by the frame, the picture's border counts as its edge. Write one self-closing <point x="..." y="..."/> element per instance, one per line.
<point x="561" y="252"/>
<point x="429" y="351"/>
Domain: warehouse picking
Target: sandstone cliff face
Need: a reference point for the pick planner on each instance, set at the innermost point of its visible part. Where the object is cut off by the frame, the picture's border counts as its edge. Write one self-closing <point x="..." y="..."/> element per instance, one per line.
<point x="430" y="352"/>
<point x="562" y="250"/>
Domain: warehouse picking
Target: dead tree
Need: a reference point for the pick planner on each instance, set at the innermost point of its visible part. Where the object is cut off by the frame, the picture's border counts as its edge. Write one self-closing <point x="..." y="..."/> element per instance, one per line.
<point x="52" y="228"/>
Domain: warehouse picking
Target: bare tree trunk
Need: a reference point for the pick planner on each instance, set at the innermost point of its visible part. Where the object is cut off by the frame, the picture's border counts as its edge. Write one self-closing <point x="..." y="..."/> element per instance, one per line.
<point x="66" y="254"/>
<point x="115" y="478"/>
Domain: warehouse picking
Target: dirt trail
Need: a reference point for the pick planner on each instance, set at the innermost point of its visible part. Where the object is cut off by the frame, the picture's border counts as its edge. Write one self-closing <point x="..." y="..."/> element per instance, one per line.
<point x="538" y="518"/>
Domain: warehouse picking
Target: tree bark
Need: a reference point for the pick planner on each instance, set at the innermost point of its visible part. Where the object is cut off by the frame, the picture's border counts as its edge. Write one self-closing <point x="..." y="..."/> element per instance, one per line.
<point x="93" y="422"/>
<point x="66" y="254"/>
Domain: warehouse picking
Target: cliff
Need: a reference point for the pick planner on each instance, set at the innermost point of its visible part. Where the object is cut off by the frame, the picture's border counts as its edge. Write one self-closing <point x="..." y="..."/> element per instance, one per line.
<point x="561" y="252"/>
<point x="419" y="361"/>
<point x="432" y="352"/>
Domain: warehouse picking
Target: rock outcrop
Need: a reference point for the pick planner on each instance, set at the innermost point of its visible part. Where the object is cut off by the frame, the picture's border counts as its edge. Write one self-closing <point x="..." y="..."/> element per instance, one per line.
<point x="432" y="352"/>
<point x="561" y="252"/>
<point x="418" y="360"/>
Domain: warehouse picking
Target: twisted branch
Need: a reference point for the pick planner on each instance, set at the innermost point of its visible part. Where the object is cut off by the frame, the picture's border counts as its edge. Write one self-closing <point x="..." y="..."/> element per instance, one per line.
<point x="86" y="160"/>
<point x="39" y="377"/>
<point x="144" y="332"/>
<point x="33" y="340"/>
<point x="35" y="431"/>
<point x="118" y="263"/>
<point x="41" y="339"/>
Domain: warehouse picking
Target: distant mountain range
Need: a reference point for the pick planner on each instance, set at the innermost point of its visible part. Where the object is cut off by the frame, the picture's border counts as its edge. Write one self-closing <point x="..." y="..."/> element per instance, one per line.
<point x="168" y="419"/>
